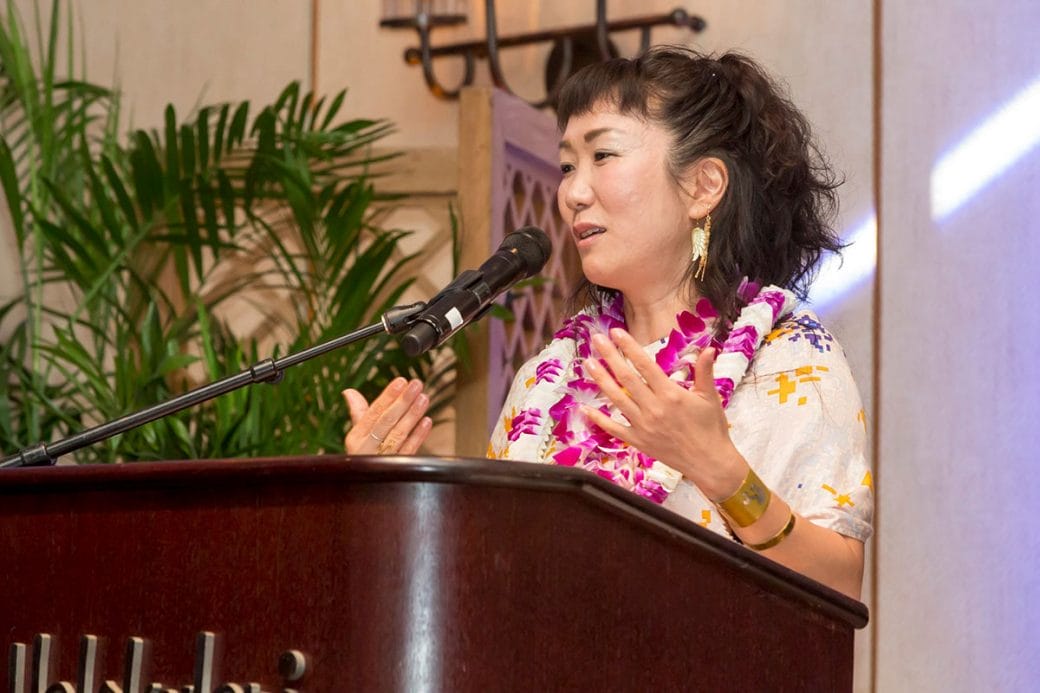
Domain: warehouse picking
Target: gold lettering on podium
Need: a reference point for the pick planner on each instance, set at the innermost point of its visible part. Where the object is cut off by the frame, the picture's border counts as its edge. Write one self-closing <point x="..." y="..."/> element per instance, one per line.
<point x="16" y="668"/>
<point x="291" y="666"/>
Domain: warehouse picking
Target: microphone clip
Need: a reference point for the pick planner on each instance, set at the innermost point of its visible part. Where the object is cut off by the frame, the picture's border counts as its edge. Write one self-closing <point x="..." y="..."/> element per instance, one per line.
<point x="399" y="318"/>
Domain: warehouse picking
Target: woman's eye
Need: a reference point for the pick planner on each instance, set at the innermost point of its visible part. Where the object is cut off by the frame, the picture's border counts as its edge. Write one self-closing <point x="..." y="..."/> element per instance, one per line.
<point x="566" y="168"/>
<point x="600" y="156"/>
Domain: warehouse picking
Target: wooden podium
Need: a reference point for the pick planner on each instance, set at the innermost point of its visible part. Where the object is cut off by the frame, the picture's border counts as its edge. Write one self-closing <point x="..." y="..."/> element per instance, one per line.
<point x="391" y="574"/>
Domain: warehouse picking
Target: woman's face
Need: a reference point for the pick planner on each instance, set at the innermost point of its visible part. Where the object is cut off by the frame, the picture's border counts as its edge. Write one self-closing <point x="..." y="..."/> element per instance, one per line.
<point x="628" y="215"/>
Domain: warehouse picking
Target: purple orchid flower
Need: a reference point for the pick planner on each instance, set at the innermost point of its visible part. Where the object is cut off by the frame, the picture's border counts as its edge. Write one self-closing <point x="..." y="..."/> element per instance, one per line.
<point x="526" y="422"/>
<point x="548" y="371"/>
<point x="742" y="340"/>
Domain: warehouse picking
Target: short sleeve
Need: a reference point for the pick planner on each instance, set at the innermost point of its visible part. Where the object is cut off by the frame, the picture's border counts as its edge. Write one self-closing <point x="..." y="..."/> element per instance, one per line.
<point x="798" y="420"/>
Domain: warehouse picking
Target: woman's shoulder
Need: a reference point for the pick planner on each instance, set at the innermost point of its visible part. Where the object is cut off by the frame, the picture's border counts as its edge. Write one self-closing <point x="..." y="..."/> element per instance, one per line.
<point x="798" y="340"/>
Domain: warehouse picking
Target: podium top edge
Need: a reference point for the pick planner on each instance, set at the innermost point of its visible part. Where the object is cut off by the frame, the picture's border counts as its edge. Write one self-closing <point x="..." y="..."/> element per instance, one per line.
<point x="437" y="470"/>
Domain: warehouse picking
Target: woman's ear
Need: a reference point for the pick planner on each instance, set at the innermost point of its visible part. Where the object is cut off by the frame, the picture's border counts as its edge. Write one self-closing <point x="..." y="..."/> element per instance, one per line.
<point x="705" y="182"/>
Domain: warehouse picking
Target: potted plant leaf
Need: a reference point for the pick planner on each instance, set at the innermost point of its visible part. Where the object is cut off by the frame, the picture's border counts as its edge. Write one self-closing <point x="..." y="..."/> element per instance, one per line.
<point x="138" y="258"/>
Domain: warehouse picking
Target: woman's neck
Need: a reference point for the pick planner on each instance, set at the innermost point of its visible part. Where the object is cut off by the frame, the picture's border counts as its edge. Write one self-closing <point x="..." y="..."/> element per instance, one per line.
<point x="651" y="317"/>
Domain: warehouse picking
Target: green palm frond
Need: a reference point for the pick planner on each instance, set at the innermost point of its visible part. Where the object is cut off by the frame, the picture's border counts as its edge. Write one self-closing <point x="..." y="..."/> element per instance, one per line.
<point x="156" y="236"/>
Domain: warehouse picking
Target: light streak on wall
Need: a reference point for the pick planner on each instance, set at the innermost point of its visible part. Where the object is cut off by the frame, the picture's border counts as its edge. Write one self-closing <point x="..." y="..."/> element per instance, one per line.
<point x="839" y="276"/>
<point x="986" y="152"/>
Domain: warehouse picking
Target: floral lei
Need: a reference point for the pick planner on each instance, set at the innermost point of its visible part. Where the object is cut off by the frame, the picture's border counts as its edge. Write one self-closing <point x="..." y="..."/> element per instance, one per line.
<point x="578" y="442"/>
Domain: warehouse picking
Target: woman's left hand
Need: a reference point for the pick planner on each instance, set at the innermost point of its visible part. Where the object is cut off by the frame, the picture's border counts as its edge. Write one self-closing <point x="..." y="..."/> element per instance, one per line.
<point x="684" y="429"/>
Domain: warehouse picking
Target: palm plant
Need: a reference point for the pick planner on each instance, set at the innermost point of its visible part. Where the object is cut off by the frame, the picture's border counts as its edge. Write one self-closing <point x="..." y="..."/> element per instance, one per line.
<point x="133" y="255"/>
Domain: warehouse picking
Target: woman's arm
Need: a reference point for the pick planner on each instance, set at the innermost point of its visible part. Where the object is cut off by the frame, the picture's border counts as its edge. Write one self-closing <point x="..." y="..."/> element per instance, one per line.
<point x="789" y="539"/>
<point x="688" y="431"/>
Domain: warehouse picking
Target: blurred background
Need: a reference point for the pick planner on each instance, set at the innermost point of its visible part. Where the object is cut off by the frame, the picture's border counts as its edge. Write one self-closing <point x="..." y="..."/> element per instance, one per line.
<point x="932" y="111"/>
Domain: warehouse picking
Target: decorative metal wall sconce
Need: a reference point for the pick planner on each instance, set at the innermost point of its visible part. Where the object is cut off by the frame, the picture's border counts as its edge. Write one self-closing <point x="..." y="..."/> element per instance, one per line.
<point x="572" y="47"/>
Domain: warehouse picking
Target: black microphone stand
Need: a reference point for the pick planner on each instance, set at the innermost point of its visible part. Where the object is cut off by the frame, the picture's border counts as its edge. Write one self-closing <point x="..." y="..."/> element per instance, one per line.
<point x="394" y="321"/>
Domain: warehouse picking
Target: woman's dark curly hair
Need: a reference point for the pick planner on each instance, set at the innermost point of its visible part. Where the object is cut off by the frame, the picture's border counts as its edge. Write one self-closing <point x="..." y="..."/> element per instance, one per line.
<point x="774" y="221"/>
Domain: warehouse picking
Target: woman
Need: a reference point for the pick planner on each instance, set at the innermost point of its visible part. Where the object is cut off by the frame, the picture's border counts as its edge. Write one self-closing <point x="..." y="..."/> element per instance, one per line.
<point x="700" y="208"/>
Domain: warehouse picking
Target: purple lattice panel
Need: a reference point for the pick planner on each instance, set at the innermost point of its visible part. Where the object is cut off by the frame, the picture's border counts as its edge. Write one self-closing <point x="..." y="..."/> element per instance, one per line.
<point x="528" y="193"/>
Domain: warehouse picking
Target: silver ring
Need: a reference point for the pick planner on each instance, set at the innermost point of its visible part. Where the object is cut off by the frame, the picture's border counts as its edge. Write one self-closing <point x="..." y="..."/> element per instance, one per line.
<point x="374" y="437"/>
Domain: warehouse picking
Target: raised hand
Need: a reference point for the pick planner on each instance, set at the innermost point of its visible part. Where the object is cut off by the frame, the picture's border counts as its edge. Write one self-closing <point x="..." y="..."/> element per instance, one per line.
<point x="685" y="429"/>
<point x="394" y="424"/>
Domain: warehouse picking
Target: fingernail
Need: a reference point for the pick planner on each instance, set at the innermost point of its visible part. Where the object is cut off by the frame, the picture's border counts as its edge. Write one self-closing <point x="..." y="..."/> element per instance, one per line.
<point x="414" y="387"/>
<point x="427" y="422"/>
<point x="591" y="364"/>
<point x="397" y="385"/>
<point x="348" y="398"/>
<point x="422" y="400"/>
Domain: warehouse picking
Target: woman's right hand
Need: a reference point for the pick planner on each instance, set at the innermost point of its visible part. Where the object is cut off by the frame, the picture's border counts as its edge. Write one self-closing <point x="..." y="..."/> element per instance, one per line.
<point x="394" y="424"/>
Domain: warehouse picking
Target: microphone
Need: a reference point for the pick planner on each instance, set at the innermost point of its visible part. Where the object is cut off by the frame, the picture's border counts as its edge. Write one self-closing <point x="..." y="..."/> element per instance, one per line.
<point x="522" y="254"/>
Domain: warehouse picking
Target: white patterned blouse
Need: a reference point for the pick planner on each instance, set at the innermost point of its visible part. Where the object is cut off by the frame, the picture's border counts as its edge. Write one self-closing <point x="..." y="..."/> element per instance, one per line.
<point x="795" y="416"/>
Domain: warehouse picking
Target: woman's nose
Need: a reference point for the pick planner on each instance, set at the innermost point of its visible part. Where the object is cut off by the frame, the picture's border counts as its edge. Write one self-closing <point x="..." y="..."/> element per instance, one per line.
<point x="576" y="191"/>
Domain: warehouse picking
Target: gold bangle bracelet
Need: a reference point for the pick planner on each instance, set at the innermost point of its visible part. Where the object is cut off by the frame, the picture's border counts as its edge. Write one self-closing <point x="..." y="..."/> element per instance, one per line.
<point x="749" y="502"/>
<point x="779" y="537"/>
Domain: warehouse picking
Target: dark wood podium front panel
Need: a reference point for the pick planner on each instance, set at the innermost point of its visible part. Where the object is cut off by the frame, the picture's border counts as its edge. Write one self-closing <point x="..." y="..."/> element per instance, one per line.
<point x="400" y="575"/>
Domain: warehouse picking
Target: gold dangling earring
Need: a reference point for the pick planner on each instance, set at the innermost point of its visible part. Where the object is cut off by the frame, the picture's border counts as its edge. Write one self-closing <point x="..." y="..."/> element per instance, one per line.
<point x="701" y="236"/>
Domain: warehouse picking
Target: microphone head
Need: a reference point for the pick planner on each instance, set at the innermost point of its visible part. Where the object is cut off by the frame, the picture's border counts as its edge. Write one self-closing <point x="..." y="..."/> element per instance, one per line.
<point x="531" y="245"/>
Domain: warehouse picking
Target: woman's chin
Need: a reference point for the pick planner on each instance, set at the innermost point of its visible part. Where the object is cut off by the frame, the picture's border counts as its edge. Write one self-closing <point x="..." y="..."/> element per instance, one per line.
<point x="605" y="281"/>
<point x="599" y="275"/>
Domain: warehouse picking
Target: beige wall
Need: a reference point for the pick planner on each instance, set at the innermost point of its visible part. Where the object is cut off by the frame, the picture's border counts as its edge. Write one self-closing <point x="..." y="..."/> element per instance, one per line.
<point x="184" y="53"/>
<point x="191" y="53"/>
<point x="959" y="574"/>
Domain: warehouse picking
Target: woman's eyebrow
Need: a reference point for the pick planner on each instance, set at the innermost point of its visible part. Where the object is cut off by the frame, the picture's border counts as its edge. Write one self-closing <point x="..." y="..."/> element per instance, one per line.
<point x="589" y="136"/>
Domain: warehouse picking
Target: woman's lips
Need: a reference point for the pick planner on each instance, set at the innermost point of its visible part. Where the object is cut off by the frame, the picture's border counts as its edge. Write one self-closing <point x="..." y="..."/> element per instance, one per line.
<point x="585" y="231"/>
